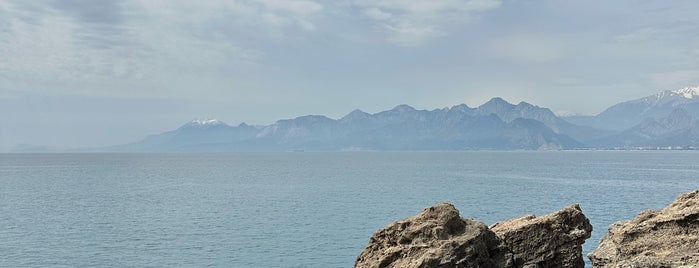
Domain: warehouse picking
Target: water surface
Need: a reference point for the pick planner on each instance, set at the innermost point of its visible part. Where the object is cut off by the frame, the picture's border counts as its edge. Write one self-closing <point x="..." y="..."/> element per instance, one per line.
<point x="297" y="209"/>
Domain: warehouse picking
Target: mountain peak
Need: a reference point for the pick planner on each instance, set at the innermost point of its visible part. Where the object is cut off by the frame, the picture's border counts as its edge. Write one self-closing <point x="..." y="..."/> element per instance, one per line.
<point x="461" y="107"/>
<point x="309" y="119"/>
<point x="209" y="122"/>
<point x="687" y="92"/>
<point x="355" y="115"/>
<point x="204" y="123"/>
<point x="498" y="100"/>
<point x="356" y="112"/>
<point x="669" y="97"/>
<point x="525" y="104"/>
<point x="403" y="108"/>
<point x="496" y="103"/>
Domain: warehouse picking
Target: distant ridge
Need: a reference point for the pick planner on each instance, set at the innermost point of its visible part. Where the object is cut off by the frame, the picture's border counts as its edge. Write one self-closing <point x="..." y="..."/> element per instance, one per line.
<point x="669" y="118"/>
<point x="631" y="113"/>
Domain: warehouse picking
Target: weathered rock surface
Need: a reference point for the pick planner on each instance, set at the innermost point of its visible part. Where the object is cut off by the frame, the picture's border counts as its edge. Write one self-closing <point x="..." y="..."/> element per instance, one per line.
<point x="553" y="240"/>
<point x="665" y="238"/>
<point x="439" y="237"/>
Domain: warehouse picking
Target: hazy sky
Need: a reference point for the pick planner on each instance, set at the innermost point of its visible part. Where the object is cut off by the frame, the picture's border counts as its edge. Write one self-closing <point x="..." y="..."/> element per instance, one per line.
<point x="88" y="73"/>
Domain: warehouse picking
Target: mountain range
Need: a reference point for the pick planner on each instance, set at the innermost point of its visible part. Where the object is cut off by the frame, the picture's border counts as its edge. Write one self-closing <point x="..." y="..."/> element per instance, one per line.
<point x="667" y="119"/>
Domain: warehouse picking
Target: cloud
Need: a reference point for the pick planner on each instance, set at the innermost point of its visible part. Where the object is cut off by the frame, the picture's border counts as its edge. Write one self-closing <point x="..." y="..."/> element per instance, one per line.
<point x="413" y="23"/>
<point x="286" y="12"/>
<point x="530" y="48"/>
<point x="150" y="47"/>
<point x="298" y="7"/>
<point x="675" y="79"/>
<point x="377" y="14"/>
<point x="405" y="33"/>
<point x="91" y="12"/>
<point x="639" y="35"/>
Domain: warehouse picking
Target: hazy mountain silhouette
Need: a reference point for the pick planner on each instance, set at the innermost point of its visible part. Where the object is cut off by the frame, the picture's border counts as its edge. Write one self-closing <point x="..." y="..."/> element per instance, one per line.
<point x="678" y="129"/>
<point x="630" y="113"/>
<point x="401" y="128"/>
<point x="669" y="118"/>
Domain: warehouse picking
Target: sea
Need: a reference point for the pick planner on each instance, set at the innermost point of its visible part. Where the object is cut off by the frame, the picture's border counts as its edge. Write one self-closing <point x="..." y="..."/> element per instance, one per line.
<point x="298" y="209"/>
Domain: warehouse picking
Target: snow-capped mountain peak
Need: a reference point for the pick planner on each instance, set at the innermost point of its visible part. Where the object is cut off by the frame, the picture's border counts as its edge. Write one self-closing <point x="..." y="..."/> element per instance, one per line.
<point x="687" y="92"/>
<point x="206" y="122"/>
<point x="672" y="97"/>
<point x="203" y="124"/>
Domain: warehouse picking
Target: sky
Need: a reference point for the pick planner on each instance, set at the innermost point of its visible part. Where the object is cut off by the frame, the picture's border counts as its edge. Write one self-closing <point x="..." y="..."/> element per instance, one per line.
<point x="77" y="73"/>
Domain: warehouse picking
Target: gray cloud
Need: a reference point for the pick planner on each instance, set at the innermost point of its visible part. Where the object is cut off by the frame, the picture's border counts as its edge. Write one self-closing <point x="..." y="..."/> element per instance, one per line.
<point x="99" y="23"/>
<point x="415" y="22"/>
<point x="675" y="79"/>
<point x="85" y="45"/>
<point x="531" y="48"/>
<point x="91" y="12"/>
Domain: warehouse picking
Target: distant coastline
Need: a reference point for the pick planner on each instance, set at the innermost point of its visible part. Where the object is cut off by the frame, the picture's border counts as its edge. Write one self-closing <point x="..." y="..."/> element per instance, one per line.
<point x="668" y="120"/>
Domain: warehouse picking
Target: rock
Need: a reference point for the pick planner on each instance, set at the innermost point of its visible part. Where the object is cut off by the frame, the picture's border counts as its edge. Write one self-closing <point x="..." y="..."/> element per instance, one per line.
<point x="437" y="237"/>
<point x="665" y="238"/>
<point x="553" y="240"/>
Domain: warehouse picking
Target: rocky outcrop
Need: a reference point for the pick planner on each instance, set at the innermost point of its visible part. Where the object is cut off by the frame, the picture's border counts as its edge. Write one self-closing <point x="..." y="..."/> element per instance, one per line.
<point x="665" y="238"/>
<point x="439" y="237"/>
<point x="553" y="240"/>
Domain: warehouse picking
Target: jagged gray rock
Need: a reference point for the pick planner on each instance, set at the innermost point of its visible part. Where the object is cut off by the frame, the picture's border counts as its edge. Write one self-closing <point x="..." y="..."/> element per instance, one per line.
<point x="553" y="240"/>
<point x="665" y="238"/>
<point x="439" y="237"/>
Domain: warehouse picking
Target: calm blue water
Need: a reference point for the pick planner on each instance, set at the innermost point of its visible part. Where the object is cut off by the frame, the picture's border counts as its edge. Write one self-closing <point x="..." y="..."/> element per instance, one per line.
<point x="296" y="209"/>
